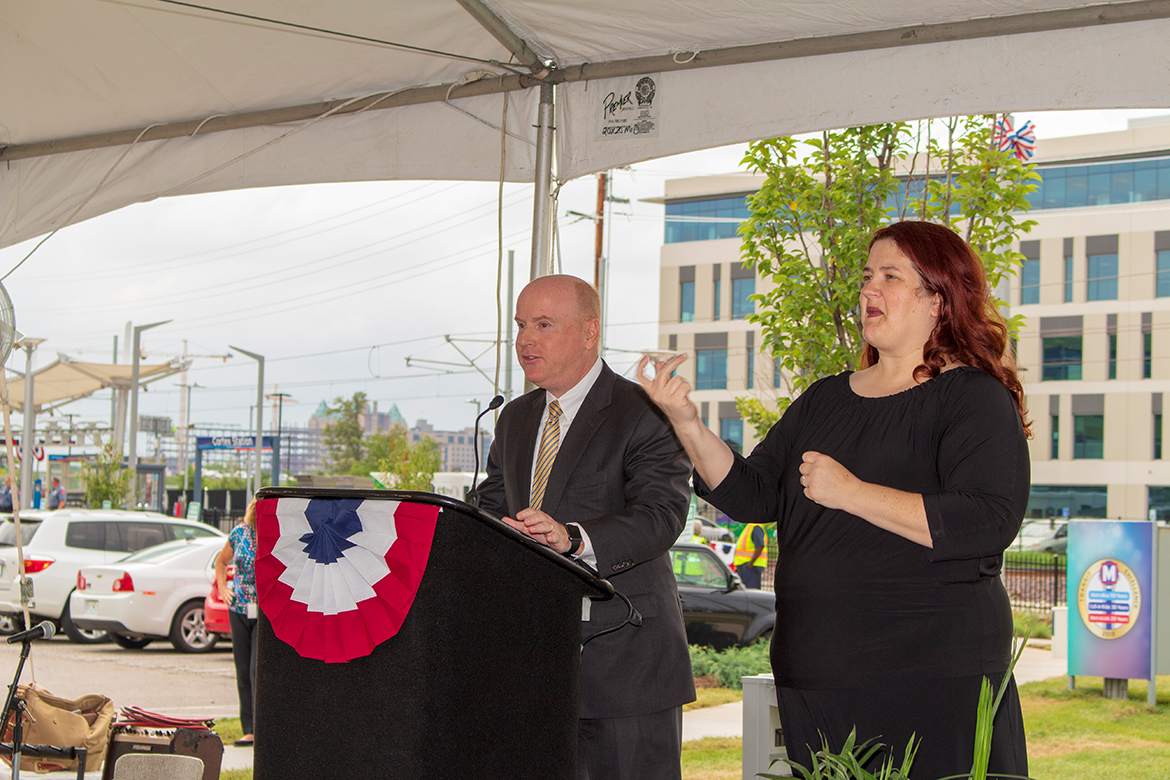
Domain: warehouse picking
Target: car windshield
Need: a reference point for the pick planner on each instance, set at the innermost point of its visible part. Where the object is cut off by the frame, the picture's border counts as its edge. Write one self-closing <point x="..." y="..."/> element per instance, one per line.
<point x="158" y="553"/>
<point x="8" y="532"/>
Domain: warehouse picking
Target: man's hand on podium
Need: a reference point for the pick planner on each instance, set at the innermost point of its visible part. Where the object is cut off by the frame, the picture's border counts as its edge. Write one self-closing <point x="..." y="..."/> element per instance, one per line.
<point x="542" y="528"/>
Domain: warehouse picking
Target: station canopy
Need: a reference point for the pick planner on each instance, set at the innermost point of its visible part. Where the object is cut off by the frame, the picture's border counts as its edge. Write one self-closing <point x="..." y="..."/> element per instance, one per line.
<point x="104" y="103"/>
<point x="66" y="380"/>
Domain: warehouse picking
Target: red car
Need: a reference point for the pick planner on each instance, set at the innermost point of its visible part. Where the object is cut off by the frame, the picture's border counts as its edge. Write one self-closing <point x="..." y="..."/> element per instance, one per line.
<point x="215" y="612"/>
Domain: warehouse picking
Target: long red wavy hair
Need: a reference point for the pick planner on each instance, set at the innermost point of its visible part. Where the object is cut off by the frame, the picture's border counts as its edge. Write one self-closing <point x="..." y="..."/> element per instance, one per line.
<point x="970" y="330"/>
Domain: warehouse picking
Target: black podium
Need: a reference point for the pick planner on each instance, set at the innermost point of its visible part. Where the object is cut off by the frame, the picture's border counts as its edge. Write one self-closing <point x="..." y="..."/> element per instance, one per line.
<point x="481" y="679"/>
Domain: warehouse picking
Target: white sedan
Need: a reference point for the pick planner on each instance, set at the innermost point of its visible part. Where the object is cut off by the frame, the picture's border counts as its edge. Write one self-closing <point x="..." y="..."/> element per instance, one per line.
<point x="156" y="593"/>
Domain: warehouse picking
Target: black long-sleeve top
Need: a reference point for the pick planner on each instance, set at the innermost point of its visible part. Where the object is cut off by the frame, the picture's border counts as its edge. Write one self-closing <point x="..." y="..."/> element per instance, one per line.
<point x="855" y="602"/>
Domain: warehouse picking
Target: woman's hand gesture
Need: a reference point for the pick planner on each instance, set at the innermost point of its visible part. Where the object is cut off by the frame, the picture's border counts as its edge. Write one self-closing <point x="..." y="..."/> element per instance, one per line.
<point x="670" y="393"/>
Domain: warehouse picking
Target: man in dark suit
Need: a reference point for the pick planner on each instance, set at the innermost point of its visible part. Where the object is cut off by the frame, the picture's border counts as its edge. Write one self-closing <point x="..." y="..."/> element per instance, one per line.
<point x="589" y="466"/>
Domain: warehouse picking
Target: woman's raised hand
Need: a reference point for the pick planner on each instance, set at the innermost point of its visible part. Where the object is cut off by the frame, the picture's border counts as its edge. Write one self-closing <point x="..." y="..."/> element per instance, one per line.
<point x="670" y="393"/>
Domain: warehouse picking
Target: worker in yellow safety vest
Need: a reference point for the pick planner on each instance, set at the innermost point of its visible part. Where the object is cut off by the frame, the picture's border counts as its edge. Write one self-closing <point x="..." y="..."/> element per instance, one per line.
<point x="751" y="555"/>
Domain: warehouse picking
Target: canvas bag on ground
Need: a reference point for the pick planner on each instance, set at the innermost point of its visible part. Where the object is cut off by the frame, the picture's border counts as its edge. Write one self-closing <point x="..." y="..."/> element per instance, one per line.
<point x="83" y="722"/>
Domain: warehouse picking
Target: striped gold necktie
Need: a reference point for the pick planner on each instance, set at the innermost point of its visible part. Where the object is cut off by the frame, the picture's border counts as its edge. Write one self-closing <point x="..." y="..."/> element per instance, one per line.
<point x="550" y="442"/>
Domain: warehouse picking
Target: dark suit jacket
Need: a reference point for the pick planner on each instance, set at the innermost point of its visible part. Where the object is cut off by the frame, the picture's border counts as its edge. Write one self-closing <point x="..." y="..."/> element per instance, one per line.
<point x="622" y="475"/>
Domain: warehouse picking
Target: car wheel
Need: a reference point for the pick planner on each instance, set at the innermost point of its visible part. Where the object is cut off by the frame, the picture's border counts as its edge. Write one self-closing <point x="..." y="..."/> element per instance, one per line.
<point x="129" y="642"/>
<point x="10" y="624"/>
<point x="188" y="632"/>
<point x="81" y="636"/>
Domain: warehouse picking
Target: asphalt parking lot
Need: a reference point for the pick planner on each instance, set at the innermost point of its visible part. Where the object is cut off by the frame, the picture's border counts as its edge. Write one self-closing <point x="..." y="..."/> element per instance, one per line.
<point x="157" y="678"/>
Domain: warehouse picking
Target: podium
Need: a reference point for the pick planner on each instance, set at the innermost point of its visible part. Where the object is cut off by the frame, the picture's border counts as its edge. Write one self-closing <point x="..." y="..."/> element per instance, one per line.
<point x="480" y="680"/>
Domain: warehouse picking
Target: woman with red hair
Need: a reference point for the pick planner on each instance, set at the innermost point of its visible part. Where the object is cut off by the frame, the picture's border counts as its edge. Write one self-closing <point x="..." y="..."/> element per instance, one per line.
<point x="895" y="490"/>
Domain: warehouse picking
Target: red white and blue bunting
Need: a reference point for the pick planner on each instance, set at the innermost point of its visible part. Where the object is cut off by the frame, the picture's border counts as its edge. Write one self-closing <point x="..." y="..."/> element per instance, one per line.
<point x="337" y="577"/>
<point x="1021" y="142"/>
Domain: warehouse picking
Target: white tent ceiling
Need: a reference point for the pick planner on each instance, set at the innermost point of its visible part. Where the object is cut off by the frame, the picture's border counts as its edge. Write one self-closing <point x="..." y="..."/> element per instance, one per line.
<point x="104" y="103"/>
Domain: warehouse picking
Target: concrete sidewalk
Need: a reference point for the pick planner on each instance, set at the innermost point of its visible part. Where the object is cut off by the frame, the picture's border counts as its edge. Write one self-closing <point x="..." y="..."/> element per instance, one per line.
<point x="723" y="721"/>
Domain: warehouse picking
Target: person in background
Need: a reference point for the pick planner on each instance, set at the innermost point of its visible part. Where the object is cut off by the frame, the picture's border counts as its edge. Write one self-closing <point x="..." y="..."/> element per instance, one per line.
<point x="6" y="495"/>
<point x="56" y="494"/>
<point x="240" y="550"/>
<point x="697" y="532"/>
<point x="895" y="489"/>
<point x="751" y="555"/>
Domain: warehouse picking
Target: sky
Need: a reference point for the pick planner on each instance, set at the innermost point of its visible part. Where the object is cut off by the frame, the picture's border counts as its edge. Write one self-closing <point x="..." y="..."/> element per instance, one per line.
<point x="387" y="288"/>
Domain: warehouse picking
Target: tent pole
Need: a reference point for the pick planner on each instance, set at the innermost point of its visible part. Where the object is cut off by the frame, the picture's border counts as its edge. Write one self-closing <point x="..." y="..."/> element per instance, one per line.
<point x="542" y="192"/>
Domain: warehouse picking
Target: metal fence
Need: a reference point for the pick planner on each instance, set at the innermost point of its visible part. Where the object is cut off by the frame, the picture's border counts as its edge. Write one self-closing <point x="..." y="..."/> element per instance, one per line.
<point x="1037" y="584"/>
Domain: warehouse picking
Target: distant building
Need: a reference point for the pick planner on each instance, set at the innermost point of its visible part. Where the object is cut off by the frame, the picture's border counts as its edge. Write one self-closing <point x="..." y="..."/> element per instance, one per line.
<point x="456" y="448"/>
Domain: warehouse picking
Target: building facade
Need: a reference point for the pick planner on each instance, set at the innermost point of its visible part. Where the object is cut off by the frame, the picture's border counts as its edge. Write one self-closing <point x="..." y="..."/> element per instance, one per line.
<point x="1094" y="292"/>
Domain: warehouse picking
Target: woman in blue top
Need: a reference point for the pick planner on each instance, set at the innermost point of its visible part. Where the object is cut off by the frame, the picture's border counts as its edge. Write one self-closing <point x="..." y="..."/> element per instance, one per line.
<point x="895" y="490"/>
<point x="240" y="549"/>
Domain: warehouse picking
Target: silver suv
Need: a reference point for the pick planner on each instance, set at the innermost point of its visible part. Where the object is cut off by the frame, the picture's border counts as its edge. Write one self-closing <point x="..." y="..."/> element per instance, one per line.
<point x="57" y="544"/>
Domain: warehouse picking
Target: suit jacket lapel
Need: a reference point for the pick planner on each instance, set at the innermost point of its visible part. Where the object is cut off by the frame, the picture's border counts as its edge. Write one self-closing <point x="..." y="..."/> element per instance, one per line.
<point x="590" y="417"/>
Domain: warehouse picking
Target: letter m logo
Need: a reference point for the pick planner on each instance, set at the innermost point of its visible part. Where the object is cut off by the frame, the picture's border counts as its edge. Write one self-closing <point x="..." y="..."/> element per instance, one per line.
<point x="1109" y="575"/>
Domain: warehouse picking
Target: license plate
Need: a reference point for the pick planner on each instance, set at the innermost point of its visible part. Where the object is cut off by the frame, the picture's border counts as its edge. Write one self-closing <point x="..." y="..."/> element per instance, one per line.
<point x="90" y="607"/>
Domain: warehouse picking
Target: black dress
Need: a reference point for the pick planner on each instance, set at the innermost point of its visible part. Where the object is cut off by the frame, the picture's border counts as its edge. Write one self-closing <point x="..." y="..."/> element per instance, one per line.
<point x="864" y="616"/>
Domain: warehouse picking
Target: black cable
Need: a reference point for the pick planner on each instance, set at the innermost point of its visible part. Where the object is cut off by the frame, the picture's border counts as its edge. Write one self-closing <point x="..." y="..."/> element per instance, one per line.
<point x="633" y="618"/>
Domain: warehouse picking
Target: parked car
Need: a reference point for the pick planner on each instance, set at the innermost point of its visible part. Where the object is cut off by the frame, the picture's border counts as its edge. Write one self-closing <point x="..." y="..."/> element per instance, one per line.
<point x="156" y="593"/>
<point x="57" y="544"/>
<point x="1046" y="536"/>
<point x="215" y="611"/>
<point x="717" y="609"/>
<point x="721" y="539"/>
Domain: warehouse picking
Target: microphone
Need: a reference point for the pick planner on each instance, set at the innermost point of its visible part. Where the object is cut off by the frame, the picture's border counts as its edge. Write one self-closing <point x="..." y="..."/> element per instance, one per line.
<point x="472" y="496"/>
<point x="43" y="630"/>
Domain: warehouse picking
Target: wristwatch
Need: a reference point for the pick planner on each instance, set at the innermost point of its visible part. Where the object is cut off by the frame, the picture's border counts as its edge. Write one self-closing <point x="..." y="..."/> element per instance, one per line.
<point x="575" y="541"/>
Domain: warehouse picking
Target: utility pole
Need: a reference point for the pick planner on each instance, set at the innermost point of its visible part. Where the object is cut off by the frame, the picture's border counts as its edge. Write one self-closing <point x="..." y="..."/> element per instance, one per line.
<point x="602" y="179"/>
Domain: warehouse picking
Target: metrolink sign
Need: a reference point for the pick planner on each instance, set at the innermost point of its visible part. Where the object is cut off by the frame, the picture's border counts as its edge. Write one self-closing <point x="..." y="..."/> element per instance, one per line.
<point x="231" y="443"/>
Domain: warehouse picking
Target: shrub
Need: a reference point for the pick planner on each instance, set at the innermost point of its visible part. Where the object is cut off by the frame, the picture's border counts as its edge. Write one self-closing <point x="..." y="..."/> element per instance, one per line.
<point x="732" y="664"/>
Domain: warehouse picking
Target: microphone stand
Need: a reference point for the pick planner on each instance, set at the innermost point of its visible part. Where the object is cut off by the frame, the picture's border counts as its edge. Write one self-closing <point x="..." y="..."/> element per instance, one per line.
<point x="472" y="496"/>
<point x="17" y="705"/>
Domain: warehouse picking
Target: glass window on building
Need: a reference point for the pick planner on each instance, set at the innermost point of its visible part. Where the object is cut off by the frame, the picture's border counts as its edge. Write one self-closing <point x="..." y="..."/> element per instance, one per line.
<point x="1062" y="358"/>
<point x="1162" y="283"/>
<point x="731" y="431"/>
<point x="1061" y="347"/>
<point x="686" y="294"/>
<point x="1088" y="436"/>
<point x="1068" y="501"/>
<point x="776" y="372"/>
<point x="1147" y="345"/>
<point x="706" y="219"/>
<point x="1124" y="181"/>
<point x="1068" y="279"/>
<point x="1158" y="436"/>
<point x="1030" y="282"/>
<point x="1158" y="502"/>
<point x="711" y="369"/>
<point x="1054" y="449"/>
<point x="717" y="289"/>
<point x="1112" y="355"/>
<point x="1101" y="278"/>
<point x="1030" y="272"/>
<point x="750" y="379"/>
<point x="741" y="303"/>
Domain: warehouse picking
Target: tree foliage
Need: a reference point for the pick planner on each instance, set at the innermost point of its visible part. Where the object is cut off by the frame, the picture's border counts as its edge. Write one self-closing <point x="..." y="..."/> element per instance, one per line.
<point x="106" y="479"/>
<point x="412" y="464"/>
<point x="821" y="200"/>
<point x="343" y="436"/>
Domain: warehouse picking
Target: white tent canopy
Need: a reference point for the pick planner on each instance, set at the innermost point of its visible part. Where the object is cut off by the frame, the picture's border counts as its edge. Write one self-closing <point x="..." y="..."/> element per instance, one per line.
<point x="66" y="380"/>
<point x="104" y="103"/>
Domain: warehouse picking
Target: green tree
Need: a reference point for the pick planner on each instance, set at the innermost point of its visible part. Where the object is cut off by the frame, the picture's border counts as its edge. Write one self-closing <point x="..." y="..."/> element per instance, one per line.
<point x="412" y="464"/>
<point x="823" y="197"/>
<point x="105" y="477"/>
<point x="343" y="436"/>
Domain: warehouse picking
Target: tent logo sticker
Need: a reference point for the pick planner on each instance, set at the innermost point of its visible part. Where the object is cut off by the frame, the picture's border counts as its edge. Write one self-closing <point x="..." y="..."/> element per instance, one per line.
<point x="1109" y="599"/>
<point x="628" y="109"/>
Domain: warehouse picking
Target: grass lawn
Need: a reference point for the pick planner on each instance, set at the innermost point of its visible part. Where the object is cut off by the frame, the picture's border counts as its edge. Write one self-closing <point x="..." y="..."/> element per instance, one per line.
<point x="1072" y="735"/>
